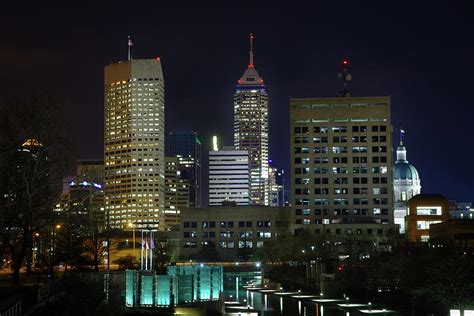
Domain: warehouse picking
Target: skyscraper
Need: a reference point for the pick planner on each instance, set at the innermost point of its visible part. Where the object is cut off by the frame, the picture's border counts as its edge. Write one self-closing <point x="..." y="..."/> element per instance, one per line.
<point x="341" y="160"/>
<point x="134" y="143"/>
<point x="229" y="176"/>
<point x="176" y="192"/>
<point x="251" y="128"/>
<point x="186" y="146"/>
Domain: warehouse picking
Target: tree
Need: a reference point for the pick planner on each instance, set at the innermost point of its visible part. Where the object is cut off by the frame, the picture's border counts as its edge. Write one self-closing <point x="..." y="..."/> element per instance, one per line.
<point x="34" y="153"/>
<point x="127" y="262"/>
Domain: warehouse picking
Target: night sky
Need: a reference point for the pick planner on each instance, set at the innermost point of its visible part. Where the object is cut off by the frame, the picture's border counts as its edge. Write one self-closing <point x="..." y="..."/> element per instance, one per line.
<point x="421" y="54"/>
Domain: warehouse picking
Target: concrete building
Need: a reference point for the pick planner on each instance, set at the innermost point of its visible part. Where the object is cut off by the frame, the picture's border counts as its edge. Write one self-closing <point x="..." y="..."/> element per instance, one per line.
<point x="458" y="231"/>
<point x="234" y="231"/>
<point x="423" y="211"/>
<point x="84" y="194"/>
<point x="177" y="191"/>
<point x="367" y="235"/>
<point x="406" y="184"/>
<point x="251" y="128"/>
<point x="229" y="176"/>
<point x="461" y="210"/>
<point x="186" y="145"/>
<point x="134" y="143"/>
<point x="275" y="187"/>
<point x="341" y="160"/>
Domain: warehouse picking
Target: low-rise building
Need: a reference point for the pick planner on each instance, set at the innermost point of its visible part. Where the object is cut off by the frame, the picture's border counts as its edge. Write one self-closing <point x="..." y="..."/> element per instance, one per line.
<point x="459" y="231"/>
<point x="423" y="211"/>
<point x="233" y="231"/>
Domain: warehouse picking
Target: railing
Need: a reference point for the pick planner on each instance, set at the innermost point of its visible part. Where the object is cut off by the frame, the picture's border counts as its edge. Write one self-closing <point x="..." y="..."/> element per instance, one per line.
<point x="15" y="310"/>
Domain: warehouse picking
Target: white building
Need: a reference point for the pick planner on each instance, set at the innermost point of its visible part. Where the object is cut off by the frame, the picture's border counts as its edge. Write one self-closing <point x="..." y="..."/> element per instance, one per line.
<point x="134" y="143"/>
<point x="229" y="176"/>
<point x="406" y="184"/>
<point x="251" y="128"/>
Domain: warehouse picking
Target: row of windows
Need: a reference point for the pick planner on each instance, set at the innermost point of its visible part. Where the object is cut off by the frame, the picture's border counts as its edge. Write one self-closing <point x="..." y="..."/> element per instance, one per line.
<point x="341" y="201"/>
<point x="226" y="244"/>
<point x="341" y="129"/>
<point x="340" y="149"/>
<point x="227" y="224"/>
<point x="228" y="234"/>
<point x="340" y="139"/>
<point x="339" y="212"/>
<point x="355" y="180"/>
<point x="341" y="170"/>
<point x="325" y="191"/>
<point x="342" y="160"/>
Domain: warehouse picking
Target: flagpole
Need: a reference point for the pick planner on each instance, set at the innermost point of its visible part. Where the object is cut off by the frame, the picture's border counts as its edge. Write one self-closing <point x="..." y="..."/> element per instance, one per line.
<point x="141" y="258"/>
<point x="129" y="47"/>
<point x="151" y="250"/>
<point x="146" y="253"/>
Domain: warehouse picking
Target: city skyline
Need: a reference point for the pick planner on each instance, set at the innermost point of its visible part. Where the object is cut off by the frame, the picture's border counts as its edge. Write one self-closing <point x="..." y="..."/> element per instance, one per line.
<point x="409" y="65"/>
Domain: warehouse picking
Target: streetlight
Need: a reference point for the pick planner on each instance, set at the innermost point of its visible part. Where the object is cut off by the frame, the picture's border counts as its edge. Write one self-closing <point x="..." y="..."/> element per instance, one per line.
<point x="133" y="227"/>
<point x="53" y="250"/>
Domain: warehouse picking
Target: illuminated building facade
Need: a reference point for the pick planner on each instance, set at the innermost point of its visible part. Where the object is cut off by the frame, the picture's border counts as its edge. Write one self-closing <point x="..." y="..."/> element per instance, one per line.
<point x="134" y="143"/>
<point x="423" y="211"/>
<point x="233" y="230"/>
<point x="275" y="189"/>
<point x="251" y="128"/>
<point x="229" y="176"/>
<point x="341" y="160"/>
<point x="406" y="184"/>
<point x="176" y="192"/>
<point x="84" y="194"/>
<point x="186" y="145"/>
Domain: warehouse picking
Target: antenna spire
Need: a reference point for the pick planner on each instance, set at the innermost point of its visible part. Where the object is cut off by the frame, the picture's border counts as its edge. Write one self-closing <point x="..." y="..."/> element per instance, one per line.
<point x="130" y="44"/>
<point x="345" y="77"/>
<point x="402" y="133"/>
<point x="251" y="51"/>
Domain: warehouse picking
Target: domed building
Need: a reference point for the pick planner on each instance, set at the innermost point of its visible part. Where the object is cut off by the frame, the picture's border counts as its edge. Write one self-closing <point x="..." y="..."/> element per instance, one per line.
<point x="406" y="184"/>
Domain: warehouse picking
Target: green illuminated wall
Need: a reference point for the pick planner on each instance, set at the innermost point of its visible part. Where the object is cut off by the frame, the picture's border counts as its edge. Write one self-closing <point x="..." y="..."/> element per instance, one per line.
<point x="184" y="284"/>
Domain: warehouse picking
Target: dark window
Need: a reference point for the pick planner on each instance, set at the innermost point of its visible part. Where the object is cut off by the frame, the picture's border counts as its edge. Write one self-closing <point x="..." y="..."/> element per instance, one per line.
<point x="186" y="234"/>
<point x="193" y="224"/>
<point x="248" y="224"/>
<point x="241" y="224"/>
<point x="212" y="224"/>
<point x="186" y="224"/>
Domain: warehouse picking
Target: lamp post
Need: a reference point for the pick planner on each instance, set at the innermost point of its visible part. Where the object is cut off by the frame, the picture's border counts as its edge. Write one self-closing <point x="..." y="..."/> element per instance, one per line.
<point x="133" y="229"/>
<point x="53" y="248"/>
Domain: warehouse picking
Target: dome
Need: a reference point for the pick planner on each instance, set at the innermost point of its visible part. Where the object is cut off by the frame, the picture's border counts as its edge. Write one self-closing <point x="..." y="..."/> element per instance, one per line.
<point x="403" y="170"/>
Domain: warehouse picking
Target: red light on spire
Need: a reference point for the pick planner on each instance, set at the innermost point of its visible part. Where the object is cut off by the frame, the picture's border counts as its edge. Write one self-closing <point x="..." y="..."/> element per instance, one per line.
<point x="345" y="62"/>
<point x="157" y="57"/>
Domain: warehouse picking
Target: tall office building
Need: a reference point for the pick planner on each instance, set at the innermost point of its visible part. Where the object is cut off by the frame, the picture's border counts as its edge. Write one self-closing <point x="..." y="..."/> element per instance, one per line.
<point x="229" y="176"/>
<point x="341" y="160"/>
<point x="275" y="187"/>
<point x="176" y="192"/>
<point x="186" y="145"/>
<point x="251" y="128"/>
<point x="134" y="143"/>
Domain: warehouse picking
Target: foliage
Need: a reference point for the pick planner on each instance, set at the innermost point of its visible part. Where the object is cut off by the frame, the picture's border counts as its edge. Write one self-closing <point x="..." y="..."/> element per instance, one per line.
<point x="72" y="295"/>
<point x="207" y="253"/>
<point x="127" y="262"/>
<point x="34" y="152"/>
